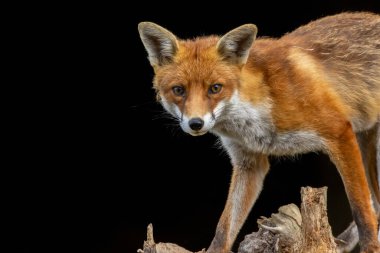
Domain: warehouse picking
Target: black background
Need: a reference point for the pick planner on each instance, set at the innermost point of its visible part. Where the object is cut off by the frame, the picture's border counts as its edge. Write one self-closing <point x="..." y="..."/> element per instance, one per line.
<point x="99" y="159"/>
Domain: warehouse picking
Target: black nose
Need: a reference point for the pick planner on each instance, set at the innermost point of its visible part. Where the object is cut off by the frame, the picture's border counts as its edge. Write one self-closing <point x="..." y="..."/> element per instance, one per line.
<point x="196" y="124"/>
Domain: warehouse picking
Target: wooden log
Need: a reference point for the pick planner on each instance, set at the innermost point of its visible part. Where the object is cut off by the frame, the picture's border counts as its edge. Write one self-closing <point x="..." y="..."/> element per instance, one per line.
<point x="288" y="231"/>
<point x="151" y="247"/>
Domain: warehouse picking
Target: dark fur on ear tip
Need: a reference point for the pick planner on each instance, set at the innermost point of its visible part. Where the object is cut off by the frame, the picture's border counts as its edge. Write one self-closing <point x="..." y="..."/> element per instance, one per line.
<point x="235" y="45"/>
<point x="250" y="28"/>
<point x="160" y="43"/>
<point x="147" y="25"/>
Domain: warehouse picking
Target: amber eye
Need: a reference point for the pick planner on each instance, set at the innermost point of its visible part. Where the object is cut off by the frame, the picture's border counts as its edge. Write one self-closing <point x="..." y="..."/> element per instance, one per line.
<point x="215" y="88"/>
<point x="178" y="91"/>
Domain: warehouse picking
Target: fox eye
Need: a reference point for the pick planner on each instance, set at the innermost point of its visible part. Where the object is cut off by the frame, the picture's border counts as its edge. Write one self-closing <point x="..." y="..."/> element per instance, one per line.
<point x="215" y="88"/>
<point x="178" y="90"/>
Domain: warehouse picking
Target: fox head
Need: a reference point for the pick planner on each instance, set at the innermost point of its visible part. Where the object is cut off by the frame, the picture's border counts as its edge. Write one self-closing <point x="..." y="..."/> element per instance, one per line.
<point x="194" y="79"/>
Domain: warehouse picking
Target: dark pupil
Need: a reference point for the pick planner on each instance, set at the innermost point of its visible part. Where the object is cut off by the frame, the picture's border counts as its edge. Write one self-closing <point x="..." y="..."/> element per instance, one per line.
<point x="215" y="88"/>
<point x="178" y="90"/>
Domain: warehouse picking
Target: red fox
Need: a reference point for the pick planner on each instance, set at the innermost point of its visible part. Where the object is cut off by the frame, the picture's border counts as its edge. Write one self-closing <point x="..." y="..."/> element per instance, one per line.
<point x="314" y="89"/>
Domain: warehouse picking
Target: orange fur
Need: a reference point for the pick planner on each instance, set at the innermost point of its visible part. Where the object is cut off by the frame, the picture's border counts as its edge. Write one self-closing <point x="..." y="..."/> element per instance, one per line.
<point x="196" y="66"/>
<point x="317" y="87"/>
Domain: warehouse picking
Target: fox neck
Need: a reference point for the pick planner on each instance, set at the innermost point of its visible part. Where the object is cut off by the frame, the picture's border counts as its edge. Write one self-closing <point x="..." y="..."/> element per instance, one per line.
<point x="245" y="127"/>
<point x="247" y="124"/>
<point x="249" y="107"/>
<point x="241" y="119"/>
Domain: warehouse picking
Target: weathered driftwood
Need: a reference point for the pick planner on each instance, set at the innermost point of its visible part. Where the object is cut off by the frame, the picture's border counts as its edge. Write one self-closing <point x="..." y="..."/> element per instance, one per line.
<point x="288" y="231"/>
<point x="151" y="247"/>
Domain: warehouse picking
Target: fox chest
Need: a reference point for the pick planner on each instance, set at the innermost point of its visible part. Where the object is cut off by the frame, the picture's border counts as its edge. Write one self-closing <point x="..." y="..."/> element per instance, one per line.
<point x="252" y="129"/>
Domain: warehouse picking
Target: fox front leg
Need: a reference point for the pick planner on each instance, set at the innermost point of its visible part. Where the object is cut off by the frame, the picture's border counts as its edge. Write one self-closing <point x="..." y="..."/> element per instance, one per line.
<point x="247" y="179"/>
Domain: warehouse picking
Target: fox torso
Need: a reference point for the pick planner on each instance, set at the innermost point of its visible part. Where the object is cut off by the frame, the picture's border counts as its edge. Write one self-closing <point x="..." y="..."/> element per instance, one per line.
<point x="317" y="88"/>
<point x="311" y="82"/>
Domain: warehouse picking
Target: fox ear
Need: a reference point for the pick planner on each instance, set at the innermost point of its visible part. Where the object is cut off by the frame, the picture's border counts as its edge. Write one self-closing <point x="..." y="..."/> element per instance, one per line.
<point x="235" y="45"/>
<point x="160" y="44"/>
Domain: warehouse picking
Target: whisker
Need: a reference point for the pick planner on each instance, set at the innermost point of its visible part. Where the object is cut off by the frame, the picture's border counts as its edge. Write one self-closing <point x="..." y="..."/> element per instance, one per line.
<point x="141" y="104"/>
<point x="163" y="114"/>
